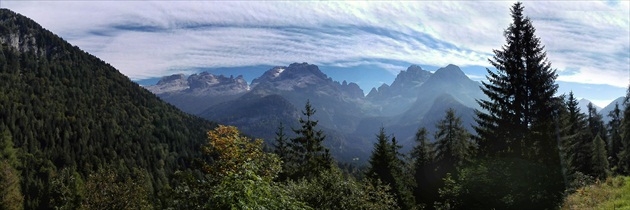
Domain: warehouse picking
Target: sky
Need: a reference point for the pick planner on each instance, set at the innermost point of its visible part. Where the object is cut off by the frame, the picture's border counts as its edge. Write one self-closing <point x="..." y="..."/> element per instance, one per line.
<point x="587" y="42"/>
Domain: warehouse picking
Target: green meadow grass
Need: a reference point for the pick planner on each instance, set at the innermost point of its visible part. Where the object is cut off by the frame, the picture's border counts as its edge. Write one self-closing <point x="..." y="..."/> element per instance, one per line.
<point x="614" y="193"/>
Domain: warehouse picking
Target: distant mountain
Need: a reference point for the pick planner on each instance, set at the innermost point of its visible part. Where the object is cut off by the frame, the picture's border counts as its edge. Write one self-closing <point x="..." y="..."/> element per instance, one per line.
<point x="199" y="91"/>
<point x="395" y="99"/>
<point x="447" y="88"/>
<point x="66" y="109"/>
<point x="449" y="80"/>
<point x="583" y="105"/>
<point x="338" y="105"/>
<point x="604" y="111"/>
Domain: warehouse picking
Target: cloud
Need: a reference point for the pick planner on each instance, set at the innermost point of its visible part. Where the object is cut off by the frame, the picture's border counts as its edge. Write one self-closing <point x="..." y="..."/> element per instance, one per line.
<point x="155" y="38"/>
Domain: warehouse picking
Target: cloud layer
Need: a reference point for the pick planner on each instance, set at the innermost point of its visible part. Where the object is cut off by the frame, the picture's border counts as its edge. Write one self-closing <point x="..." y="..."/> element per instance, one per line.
<point x="588" y="42"/>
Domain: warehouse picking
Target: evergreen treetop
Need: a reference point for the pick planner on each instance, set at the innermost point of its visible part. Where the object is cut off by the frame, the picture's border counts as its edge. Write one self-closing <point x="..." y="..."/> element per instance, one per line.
<point x="520" y="93"/>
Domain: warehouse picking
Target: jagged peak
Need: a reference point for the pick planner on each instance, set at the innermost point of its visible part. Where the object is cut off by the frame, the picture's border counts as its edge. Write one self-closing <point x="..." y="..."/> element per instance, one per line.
<point x="414" y="67"/>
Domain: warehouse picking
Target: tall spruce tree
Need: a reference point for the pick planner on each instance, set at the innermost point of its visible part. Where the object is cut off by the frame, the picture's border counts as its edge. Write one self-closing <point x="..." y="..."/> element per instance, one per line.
<point x="518" y="122"/>
<point x="520" y="95"/>
<point x="309" y="157"/>
<point x="453" y="147"/>
<point x="614" y="136"/>
<point x="577" y="139"/>
<point x="387" y="166"/>
<point x="422" y="159"/>
<point x="599" y="159"/>
<point x="624" y="154"/>
<point x="281" y="148"/>
<point x="595" y="122"/>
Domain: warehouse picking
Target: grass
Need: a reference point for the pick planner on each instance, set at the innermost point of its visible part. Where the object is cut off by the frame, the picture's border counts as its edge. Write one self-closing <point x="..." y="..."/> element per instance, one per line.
<point x="614" y="193"/>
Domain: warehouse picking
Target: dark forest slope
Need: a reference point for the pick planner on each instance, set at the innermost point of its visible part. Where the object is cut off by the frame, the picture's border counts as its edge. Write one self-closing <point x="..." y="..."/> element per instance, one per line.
<point x="64" y="108"/>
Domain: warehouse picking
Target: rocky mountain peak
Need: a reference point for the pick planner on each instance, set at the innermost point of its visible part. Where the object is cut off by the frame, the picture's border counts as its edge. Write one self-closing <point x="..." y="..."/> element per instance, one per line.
<point x="414" y="76"/>
<point x="296" y="75"/>
<point x="450" y="72"/>
<point x="206" y="80"/>
<point x="303" y="69"/>
<point x="351" y="89"/>
<point x="269" y="75"/>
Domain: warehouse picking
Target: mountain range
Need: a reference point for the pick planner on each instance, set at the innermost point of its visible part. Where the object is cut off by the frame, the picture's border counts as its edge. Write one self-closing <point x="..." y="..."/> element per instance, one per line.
<point x="416" y="98"/>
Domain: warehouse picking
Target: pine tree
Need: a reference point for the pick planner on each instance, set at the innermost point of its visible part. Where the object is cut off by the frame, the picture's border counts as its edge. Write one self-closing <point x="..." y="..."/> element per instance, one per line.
<point x="309" y="156"/>
<point x="614" y="139"/>
<point x="452" y="141"/>
<point x="520" y="93"/>
<point x="425" y="190"/>
<point x="382" y="159"/>
<point x="595" y="122"/>
<point x="518" y="119"/>
<point x="577" y="138"/>
<point x="386" y="166"/>
<point x="624" y="154"/>
<point x="281" y="148"/>
<point x="599" y="159"/>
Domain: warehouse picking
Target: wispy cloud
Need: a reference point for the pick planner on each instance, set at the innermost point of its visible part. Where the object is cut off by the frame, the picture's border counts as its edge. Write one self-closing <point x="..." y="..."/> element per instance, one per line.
<point x="148" y="39"/>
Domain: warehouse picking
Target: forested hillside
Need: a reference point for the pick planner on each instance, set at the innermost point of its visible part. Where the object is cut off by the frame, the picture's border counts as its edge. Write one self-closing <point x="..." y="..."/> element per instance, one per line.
<point x="64" y="112"/>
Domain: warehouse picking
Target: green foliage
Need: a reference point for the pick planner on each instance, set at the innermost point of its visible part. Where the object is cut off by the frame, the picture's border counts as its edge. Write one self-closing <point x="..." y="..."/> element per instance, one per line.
<point x="10" y="195"/>
<point x="577" y="140"/>
<point x="614" y="139"/>
<point x="453" y="147"/>
<point x="386" y="165"/>
<point x="308" y="155"/>
<point x="67" y="189"/>
<point x="521" y="95"/>
<point x="426" y="181"/>
<point x="613" y="193"/>
<point x="105" y="189"/>
<point x="281" y="148"/>
<point x="65" y="108"/>
<point x="331" y="190"/>
<point x="520" y="119"/>
<point x="500" y="183"/>
<point x="600" y="159"/>
<point x="239" y="177"/>
<point x="624" y="154"/>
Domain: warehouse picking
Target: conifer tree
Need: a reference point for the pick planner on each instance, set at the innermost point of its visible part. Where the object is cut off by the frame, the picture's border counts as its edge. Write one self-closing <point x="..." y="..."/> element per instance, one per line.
<point x="281" y="148"/>
<point x="517" y="121"/>
<point x="382" y="159"/>
<point x="595" y="122"/>
<point x="614" y="138"/>
<point x="600" y="161"/>
<point x="578" y="140"/>
<point x="520" y="96"/>
<point x="309" y="156"/>
<point x="624" y="154"/>
<point x="452" y="141"/>
<point x="387" y="166"/>
<point x="425" y="191"/>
